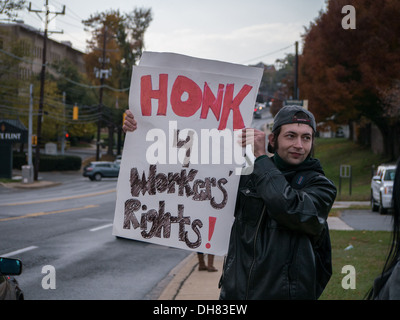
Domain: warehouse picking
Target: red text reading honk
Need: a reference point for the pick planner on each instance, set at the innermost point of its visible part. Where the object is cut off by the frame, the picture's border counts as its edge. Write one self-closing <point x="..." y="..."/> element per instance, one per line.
<point x="187" y="97"/>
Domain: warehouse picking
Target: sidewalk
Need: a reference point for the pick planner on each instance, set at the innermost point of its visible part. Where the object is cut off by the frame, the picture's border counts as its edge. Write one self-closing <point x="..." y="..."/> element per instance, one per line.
<point x="33" y="185"/>
<point x="45" y="179"/>
<point x="190" y="284"/>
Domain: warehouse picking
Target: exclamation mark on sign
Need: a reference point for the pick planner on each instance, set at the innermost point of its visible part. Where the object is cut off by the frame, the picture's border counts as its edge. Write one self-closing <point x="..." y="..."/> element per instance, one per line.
<point x="211" y="225"/>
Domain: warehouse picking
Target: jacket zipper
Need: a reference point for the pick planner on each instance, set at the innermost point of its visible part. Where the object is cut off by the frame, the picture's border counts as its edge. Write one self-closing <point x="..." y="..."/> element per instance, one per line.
<point x="254" y="252"/>
<point x="292" y="264"/>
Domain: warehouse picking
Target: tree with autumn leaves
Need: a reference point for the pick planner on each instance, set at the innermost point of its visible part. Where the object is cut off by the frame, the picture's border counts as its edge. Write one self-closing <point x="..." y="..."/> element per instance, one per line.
<point x="120" y="38"/>
<point x="354" y="74"/>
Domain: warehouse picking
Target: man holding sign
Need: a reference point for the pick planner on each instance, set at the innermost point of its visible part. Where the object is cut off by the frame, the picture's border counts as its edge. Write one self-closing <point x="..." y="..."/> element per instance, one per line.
<point x="279" y="245"/>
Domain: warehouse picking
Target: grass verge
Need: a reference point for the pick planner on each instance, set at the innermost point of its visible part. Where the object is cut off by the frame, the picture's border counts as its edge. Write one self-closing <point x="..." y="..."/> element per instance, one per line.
<point x="367" y="256"/>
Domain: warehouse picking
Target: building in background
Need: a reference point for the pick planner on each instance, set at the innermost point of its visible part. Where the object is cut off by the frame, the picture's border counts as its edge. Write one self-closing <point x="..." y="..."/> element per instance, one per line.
<point x="30" y="41"/>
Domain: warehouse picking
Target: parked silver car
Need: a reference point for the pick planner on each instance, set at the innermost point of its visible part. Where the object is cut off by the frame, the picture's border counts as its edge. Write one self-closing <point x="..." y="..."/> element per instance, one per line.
<point x="97" y="170"/>
<point x="382" y="188"/>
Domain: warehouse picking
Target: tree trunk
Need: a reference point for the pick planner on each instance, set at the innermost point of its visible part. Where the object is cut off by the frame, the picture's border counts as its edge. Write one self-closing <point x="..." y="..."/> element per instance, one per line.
<point x="388" y="138"/>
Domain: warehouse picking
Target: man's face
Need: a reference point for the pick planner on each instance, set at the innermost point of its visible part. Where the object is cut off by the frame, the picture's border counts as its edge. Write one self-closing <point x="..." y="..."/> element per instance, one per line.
<point x="294" y="142"/>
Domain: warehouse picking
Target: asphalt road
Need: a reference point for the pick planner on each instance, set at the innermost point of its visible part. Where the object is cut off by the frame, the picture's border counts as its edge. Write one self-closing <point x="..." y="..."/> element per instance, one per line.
<point x="65" y="231"/>
<point x="367" y="220"/>
<point x="259" y="123"/>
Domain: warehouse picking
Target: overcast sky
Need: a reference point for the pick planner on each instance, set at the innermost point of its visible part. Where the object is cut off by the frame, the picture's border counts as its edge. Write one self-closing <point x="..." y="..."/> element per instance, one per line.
<point x="238" y="31"/>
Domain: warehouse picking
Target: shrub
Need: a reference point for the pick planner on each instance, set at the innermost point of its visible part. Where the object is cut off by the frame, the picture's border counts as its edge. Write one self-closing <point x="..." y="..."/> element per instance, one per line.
<point x="49" y="162"/>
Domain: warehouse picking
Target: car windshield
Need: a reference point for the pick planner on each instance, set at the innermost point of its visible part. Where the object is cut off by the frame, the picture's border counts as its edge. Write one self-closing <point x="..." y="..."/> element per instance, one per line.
<point x="389" y="175"/>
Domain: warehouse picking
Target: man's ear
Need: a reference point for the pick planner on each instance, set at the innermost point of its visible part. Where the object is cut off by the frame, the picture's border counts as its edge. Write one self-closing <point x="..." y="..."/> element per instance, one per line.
<point x="271" y="143"/>
<point x="271" y="140"/>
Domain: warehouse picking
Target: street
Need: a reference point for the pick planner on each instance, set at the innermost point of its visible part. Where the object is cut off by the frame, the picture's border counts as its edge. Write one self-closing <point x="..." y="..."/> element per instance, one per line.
<point x="266" y="117"/>
<point x="67" y="228"/>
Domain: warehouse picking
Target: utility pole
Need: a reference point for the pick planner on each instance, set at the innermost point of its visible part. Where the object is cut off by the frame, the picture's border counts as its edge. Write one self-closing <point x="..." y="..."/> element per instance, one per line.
<point x="63" y="128"/>
<point x="47" y="20"/>
<point x="296" y="72"/>
<point x="30" y="129"/>
<point x="102" y="74"/>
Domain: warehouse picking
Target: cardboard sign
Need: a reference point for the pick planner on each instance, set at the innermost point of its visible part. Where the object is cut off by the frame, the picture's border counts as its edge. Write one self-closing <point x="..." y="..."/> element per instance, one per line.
<point x="180" y="169"/>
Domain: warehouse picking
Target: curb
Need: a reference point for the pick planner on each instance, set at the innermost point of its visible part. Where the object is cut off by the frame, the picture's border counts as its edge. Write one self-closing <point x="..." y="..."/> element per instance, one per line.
<point x="188" y="283"/>
<point x="170" y="286"/>
<point x="34" y="185"/>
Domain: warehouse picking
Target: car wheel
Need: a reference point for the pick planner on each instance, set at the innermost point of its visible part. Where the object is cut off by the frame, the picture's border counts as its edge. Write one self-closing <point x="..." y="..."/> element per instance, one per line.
<point x="382" y="210"/>
<point x="97" y="176"/>
<point x="374" y="206"/>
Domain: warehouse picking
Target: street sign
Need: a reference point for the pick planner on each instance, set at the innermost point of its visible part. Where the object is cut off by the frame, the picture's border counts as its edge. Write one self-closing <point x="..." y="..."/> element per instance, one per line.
<point x="345" y="173"/>
<point x="301" y="103"/>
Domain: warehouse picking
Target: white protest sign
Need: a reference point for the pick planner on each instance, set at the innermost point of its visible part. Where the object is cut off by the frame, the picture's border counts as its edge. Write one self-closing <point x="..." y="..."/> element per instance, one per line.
<point x="180" y="169"/>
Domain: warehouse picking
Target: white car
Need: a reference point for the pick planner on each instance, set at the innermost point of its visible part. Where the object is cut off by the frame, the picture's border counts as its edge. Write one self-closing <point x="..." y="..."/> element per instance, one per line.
<point x="382" y="188"/>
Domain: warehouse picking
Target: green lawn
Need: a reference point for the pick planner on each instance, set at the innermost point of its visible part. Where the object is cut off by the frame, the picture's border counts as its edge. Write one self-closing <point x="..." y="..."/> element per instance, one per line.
<point x="369" y="248"/>
<point x="367" y="257"/>
<point x="334" y="152"/>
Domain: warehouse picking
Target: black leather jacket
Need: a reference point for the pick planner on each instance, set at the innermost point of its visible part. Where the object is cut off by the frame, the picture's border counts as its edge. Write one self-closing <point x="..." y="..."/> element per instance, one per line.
<point x="279" y="245"/>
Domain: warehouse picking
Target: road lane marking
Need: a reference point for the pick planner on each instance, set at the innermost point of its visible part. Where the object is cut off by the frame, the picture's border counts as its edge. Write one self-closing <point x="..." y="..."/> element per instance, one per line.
<point x="13" y="253"/>
<point x="39" y="214"/>
<point x="101" y="227"/>
<point x="58" y="199"/>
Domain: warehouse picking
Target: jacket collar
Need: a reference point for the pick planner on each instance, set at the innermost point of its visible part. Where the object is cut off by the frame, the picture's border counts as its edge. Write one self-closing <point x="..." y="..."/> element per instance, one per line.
<point x="308" y="164"/>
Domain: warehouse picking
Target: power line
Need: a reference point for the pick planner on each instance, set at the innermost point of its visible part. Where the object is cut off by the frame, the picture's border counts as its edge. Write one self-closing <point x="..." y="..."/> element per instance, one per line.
<point x="105" y="86"/>
<point x="77" y="17"/>
<point x="268" y="54"/>
<point x="59" y="117"/>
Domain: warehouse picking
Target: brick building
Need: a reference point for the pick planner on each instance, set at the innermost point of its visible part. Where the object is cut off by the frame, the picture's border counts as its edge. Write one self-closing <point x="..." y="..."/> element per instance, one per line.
<point x="31" y="43"/>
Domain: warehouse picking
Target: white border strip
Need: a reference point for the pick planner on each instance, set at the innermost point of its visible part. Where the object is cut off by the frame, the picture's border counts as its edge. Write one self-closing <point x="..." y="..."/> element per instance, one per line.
<point x="102" y="227"/>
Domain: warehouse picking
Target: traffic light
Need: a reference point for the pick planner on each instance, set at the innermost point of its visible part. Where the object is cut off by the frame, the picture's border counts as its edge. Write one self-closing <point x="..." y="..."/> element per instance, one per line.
<point x="75" y="111"/>
<point x="34" y="140"/>
<point x="66" y="136"/>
